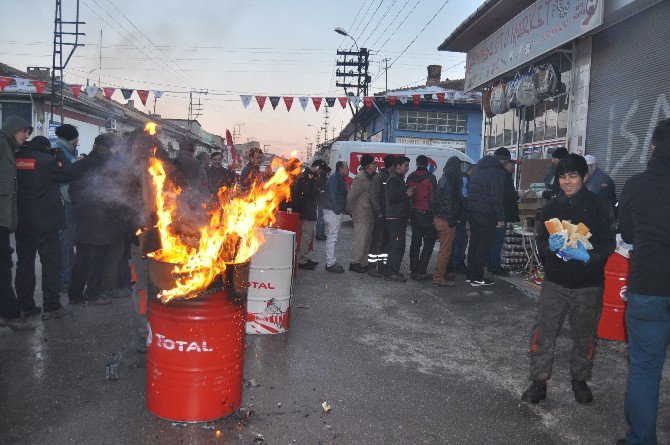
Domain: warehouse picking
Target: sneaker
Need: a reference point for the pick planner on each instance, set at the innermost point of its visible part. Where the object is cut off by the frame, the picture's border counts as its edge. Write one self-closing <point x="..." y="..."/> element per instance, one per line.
<point x="582" y="392"/>
<point x="335" y="268"/>
<point x="444" y="283"/>
<point x="398" y="278"/>
<point x="35" y="310"/>
<point x="482" y="282"/>
<point x="58" y="313"/>
<point x="355" y="267"/>
<point x="18" y="324"/>
<point x="306" y="266"/>
<point x="313" y="263"/>
<point x="536" y="391"/>
<point x="99" y="302"/>
<point x="468" y="280"/>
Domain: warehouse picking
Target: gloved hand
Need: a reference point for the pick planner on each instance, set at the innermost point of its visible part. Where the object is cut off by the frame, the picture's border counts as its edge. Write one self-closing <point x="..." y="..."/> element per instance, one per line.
<point x="556" y="242"/>
<point x="578" y="253"/>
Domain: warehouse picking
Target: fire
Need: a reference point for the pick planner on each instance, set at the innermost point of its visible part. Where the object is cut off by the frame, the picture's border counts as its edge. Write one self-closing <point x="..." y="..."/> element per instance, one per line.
<point x="294" y="154"/>
<point x="151" y="128"/>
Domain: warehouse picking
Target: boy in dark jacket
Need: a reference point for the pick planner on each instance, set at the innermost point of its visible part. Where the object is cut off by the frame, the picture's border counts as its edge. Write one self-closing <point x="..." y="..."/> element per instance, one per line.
<point x="334" y="206"/>
<point x="448" y="208"/>
<point x="378" y="256"/>
<point x="423" y="232"/>
<point x="398" y="197"/>
<point x="304" y="197"/>
<point x="573" y="283"/>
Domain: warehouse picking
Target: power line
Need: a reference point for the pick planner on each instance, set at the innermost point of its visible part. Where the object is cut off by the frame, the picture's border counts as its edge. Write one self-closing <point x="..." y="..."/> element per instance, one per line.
<point x="389" y="27"/>
<point x="379" y="22"/>
<point x="403" y="21"/>
<point x="353" y="31"/>
<point x="381" y="2"/>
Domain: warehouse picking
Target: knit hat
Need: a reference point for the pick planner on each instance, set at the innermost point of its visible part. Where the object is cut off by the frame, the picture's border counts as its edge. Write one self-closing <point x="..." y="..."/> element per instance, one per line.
<point x="560" y="153"/>
<point x="39" y="143"/>
<point x="107" y="140"/>
<point x="67" y="132"/>
<point x="366" y="160"/>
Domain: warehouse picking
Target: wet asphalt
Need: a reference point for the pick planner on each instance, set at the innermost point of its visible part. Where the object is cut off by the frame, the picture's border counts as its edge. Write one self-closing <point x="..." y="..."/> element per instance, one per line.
<point x="398" y="364"/>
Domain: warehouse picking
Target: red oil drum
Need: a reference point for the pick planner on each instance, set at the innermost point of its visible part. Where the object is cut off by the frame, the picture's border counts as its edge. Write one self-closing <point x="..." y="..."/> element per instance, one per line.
<point x="195" y="348"/>
<point x="290" y="222"/>
<point x="612" y="324"/>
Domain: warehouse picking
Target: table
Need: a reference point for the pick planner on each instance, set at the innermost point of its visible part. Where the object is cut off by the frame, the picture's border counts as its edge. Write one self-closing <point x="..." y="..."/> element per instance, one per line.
<point x="530" y="248"/>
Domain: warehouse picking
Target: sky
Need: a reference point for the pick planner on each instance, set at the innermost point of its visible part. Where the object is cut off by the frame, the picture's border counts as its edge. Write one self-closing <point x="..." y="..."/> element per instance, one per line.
<point x="228" y="48"/>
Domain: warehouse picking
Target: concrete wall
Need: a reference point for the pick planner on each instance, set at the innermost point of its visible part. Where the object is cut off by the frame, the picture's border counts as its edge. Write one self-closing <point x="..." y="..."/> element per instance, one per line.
<point x="579" y="96"/>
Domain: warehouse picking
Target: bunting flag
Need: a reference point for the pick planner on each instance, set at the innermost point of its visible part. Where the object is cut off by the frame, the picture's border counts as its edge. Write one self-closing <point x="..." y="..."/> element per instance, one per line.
<point x="330" y="101"/>
<point x="452" y="97"/>
<point x="127" y="93"/>
<point x="343" y="101"/>
<point x="260" y="100"/>
<point x="428" y="96"/>
<point x="317" y="102"/>
<point x="91" y="91"/>
<point x="288" y="101"/>
<point x="76" y="89"/>
<point x="274" y="101"/>
<point x="158" y="94"/>
<point x="403" y="99"/>
<point x="109" y="91"/>
<point x="440" y="97"/>
<point x="355" y="101"/>
<point x="246" y="100"/>
<point x="304" y="100"/>
<point x="367" y="100"/>
<point x="416" y="98"/>
<point x="40" y="85"/>
<point x="4" y="82"/>
<point x="144" y="94"/>
<point x="392" y="100"/>
<point x="22" y="84"/>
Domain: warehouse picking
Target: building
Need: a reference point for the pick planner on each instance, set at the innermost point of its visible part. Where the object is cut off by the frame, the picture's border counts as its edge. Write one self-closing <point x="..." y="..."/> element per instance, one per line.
<point x="612" y="61"/>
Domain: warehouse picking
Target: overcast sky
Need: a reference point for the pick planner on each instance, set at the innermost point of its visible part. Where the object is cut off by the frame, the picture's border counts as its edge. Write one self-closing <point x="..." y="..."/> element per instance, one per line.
<point x="265" y="47"/>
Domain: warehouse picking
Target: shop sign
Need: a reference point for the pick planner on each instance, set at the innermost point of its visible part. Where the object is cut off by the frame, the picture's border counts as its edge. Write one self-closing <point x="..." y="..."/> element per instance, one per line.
<point x="456" y="145"/>
<point x="540" y="28"/>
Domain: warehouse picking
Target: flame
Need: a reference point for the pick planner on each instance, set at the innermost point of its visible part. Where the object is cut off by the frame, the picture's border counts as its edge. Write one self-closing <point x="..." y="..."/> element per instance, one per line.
<point x="150" y="128"/>
<point x="231" y="236"/>
<point x="294" y="154"/>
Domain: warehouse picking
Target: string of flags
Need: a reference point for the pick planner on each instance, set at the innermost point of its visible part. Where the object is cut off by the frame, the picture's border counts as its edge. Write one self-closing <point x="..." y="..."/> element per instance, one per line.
<point x="355" y="101"/>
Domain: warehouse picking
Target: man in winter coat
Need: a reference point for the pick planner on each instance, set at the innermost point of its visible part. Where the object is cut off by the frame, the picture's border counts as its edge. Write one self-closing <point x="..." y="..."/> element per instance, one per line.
<point x="423" y="232"/>
<point x="378" y="256"/>
<point x="41" y="216"/>
<point x="219" y="176"/>
<point x="320" y="231"/>
<point x="600" y="182"/>
<point x="573" y="283"/>
<point x="304" y="196"/>
<point x="448" y="208"/>
<point x="643" y="219"/>
<point x="486" y="211"/>
<point x="252" y="171"/>
<point x="550" y="181"/>
<point x="334" y="206"/>
<point x="14" y="133"/>
<point x="398" y="197"/>
<point x="360" y="209"/>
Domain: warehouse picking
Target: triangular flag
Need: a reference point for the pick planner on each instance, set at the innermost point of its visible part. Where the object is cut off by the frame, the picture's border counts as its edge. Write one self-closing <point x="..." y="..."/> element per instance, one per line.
<point x="440" y="97"/>
<point x="109" y="91"/>
<point x="158" y="94"/>
<point x="144" y="94"/>
<point x="367" y="100"/>
<point x="40" y="85"/>
<point x="428" y="96"/>
<point x="416" y="98"/>
<point x="246" y="100"/>
<point x="22" y="84"/>
<point x="317" y="102"/>
<point x="403" y="99"/>
<point x="91" y="91"/>
<point x="274" y="101"/>
<point x="343" y="101"/>
<point x="330" y="101"/>
<point x="392" y="100"/>
<point x="76" y="89"/>
<point x="452" y="97"/>
<point x="355" y="101"/>
<point x="260" y="100"/>
<point x="304" y="100"/>
<point x="288" y="101"/>
<point x="4" y="82"/>
<point x="127" y="93"/>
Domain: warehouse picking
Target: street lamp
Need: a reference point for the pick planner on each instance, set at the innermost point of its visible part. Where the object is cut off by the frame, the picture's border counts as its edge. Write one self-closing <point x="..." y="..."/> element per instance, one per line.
<point x="342" y="32"/>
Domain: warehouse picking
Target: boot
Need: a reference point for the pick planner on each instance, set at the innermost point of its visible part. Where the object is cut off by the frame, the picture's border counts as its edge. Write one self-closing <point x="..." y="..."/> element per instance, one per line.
<point x="582" y="392"/>
<point x="536" y="391"/>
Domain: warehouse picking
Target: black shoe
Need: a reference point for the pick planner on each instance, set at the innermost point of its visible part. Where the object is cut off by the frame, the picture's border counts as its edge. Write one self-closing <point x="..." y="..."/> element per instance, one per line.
<point x="306" y="266"/>
<point x="313" y="263"/>
<point x="76" y="301"/>
<point x="398" y="278"/>
<point x="335" y="268"/>
<point x="35" y="310"/>
<point x="414" y="276"/>
<point x="482" y="282"/>
<point x="18" y="324"/>
<point x="355" y="267"/>
<point x="58" y="313"/>
<point x="374" y="272"/>
<point x="460" y="268"/>
<point x="536" y="391"/>
<point x="582" y="392"/>
<point x="321" y="238"/>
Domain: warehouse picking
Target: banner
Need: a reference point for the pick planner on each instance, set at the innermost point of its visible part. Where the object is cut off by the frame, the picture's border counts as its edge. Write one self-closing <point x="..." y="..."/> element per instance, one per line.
<point x="109" y="91"/>
<point x="343" y="101"/>
<point x="288" y="101"/>
<point x="246" y="100"/>
<point x="91" y="91"/>
<point x="144" y="94"/>
<point x="127" y="93"/>
<point x="4" y="82"/>
<point x="40" y="85"/>
<point x="304" y="100"/>
<point x="22" y="84"/>
<point x="260" y="100"/>
<point x="76" y="89"/>
<point x="367" y="100"/>
<point x="355" y="101"/>
<point x="330" y="101"/>
<point x="274" y="101"/>
<point x="317" y="102"/>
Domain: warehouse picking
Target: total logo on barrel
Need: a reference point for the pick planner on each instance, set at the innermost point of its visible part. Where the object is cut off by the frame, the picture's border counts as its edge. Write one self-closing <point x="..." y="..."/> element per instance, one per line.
<point x="178" y="345"/>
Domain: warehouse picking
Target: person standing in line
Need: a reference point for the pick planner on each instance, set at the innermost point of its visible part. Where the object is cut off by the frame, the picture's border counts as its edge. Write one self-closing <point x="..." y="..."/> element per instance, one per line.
<point x="424" y="184"/>
<point x="205" y="159"/>
<point x="252" y="171"/>
<point x="378" y="256"/>
<point x="219" y="176"/>
<point x="320" y="231"/>
<point x="358" y="204"/>
<point x="643" y="219"/>
<point x="460" y="244"/>
<point x="335" y="204"/>
<point x="13" y="134"/>
<point x="600" y="182"/>
<point x="304" y="197"/>
<point x="448" y="208"/>
<point x="398" y="197"/>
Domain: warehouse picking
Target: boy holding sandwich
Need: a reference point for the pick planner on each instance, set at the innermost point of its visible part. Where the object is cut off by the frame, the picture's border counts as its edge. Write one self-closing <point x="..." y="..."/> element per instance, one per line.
<point x="574" y="257"/>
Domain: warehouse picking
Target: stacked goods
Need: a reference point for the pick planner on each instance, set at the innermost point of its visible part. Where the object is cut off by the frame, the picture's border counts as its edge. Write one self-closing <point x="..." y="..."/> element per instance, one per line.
<point x="571" y="233"/>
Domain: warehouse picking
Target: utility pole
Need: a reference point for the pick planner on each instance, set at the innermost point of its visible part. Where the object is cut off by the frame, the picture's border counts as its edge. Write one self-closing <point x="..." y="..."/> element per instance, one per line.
<point x="354" y="72"/>
<point x="194" y="108"/>
<point x="325" y="125"/>
<point x="386" y="62"/>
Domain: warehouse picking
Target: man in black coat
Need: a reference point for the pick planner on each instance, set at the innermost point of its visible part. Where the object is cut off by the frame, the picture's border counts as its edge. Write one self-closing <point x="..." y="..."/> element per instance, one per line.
<point x="550" y="181"/>
<point x="448" y="211"/>
<point x="219" y="176"/>
<point x="398" y="196"/>
<point x="304" y="198"/>
<point x="252" y="171"/>
<point x="378" y="256"/>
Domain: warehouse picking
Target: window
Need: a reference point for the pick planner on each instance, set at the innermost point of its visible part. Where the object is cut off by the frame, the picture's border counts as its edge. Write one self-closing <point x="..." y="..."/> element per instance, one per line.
<point x="21" y="109"/>
<point x="433" y="121"/>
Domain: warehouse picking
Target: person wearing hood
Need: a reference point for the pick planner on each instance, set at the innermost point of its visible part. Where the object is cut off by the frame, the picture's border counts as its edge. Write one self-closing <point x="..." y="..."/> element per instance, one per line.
<point x="486" y="212"/>
<point x="424" y="234"/>
<point x="644" y="212"/>
<point x="360" y="209"/>
<point x="448" y="212"/>
<point x="14" y="133"/>
<point x="600" y="182"/>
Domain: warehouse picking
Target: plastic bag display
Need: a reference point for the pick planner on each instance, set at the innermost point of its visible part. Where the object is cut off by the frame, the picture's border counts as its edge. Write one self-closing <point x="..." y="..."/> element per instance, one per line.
<point x="512" y="101"/>
<point x="486" y="104"/>
<point x="498" y="99"/>
<point x="526" y="90"/>
<point x="548" y="80"/>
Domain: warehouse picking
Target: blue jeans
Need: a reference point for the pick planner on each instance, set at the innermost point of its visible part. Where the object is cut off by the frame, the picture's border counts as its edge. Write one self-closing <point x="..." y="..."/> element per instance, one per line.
<point x="320" y="231"/>
<point x="66" y="239"/>
<point x="648" y="323"/>
<point x="495" y="262"/>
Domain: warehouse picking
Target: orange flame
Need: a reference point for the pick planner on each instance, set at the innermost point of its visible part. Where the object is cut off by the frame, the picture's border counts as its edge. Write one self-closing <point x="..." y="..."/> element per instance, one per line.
<point x="150" y="128"/>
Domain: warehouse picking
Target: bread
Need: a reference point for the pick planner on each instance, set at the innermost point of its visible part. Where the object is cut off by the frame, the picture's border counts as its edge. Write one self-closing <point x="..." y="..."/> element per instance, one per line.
<point x="567" y="225"/>
<point x="553" y="225"/>
<point x="582" y="229"/>
<point x="572" y="232"/>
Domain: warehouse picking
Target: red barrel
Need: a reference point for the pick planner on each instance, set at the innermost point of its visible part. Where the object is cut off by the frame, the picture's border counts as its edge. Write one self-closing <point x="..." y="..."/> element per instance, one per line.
<point x="290" y="222"/>
<point x="612" y="324"/>
<point x="195" y="350"/>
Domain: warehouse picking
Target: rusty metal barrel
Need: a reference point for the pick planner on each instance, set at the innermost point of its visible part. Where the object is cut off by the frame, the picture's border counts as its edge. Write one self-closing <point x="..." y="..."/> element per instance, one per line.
<point x="195" y="347"/>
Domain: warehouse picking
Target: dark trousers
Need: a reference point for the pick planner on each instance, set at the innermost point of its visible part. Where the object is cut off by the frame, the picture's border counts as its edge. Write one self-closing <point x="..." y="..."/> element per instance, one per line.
<point x="320" y="225"/>
<point x="378" y="255"/>
<point x="9" y="306"/>
<point x="423" y="234"/>
<point x="482" y="233"/>
<point x="88" y="272"/>
<point x="582" y="308"/>
<point x="66" y="237"/>
<point x="28" y="245"/>
<point x="397" y="232"/>
<point x="495" y="259"/>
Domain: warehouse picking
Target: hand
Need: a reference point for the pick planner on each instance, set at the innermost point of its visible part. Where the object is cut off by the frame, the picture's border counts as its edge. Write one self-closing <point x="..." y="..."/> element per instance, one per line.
<point x="578" y="253"/>
<point x="410" y="191"/>
<point x="556" y="242"/>
<point x="500" y="224"/>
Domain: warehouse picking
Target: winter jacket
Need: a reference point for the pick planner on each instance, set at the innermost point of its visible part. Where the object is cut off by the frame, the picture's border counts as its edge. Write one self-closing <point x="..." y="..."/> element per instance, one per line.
<point x="397" y="202"/>
<point x="305" y="194"/>
<point x="335" y="198"/>
<point x="358" y="199"/>
<point x="248" y="175"/>
<point x="448" y="199"/>
<point x="602" y="185"/>
<point x="40" y="204"/>
<point x="486" y="188"/>
<point x="551" y="182"/>
<point x="644" y="213"/>
<point x="510" y="200"/>
<point x="218" y="177"/>
<point x="378" y="192"/>
<point x="596" y="213"/>
<point x="424" y="184"/>
<point x="8" y="182"/>
<point x="66" y="153"/>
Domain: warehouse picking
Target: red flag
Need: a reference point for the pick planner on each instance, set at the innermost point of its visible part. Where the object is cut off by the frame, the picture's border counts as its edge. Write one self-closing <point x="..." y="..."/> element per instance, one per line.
<point x="143" y="96"/>
<point x="343" y="101"/>
<point x="261" y="101"/>
<point x="109" y="91"/>
<point x="229" y="145"/>
<point x="288" y="100"/>
<point x="392" y="100"/>
<point x="367" y="100"/>
<point x="40" y="85"/>
<point x="416" y="98"/>
<point x="76" y="89"/>
<point x="4" y="82"/>
<point x="440" y="97"/>
<point x="317" y="102"/>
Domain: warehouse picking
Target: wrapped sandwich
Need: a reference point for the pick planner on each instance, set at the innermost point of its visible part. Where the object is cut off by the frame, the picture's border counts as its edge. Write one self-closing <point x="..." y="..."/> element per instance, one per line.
<point x="571" y="233"/>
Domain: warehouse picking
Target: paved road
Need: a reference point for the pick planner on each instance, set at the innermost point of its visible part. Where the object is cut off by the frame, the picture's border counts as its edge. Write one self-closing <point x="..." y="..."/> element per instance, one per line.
<point x="398" y="363"/>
